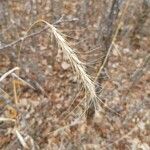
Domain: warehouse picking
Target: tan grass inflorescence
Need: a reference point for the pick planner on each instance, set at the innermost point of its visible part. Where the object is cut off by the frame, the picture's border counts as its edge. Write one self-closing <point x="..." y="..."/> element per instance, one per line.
<point x="70" y="55"/>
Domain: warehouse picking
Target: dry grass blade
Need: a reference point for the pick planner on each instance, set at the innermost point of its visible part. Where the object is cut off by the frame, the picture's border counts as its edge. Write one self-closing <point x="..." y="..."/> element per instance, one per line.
<point x="70" y="55"/>
<point x="31" y="141"/>
<point x="76" y="122"/>
<point x="8" y="73"/>
<point x="23" y="81"/>
<point x="7" y="119"/>
<point x="117" y="50"/>
<point x="15" y="92"/>
<point x="5" y="93"/>
<point x="21" y="140"/>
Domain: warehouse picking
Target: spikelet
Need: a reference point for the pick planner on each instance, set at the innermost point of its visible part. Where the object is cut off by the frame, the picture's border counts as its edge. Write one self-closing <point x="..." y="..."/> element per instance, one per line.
<point x="70" y="54"/>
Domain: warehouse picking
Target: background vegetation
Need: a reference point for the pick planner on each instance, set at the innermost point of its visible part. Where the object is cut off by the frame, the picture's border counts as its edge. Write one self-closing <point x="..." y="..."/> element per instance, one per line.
<point x="74" y="74"/>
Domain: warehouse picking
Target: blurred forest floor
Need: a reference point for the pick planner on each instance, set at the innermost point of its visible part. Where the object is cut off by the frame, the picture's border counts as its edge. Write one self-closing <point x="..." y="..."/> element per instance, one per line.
<point x="41" y="105"/>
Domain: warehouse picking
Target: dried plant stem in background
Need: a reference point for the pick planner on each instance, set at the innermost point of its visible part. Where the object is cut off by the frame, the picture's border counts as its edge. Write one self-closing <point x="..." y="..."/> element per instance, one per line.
<point x="113" y="40"/>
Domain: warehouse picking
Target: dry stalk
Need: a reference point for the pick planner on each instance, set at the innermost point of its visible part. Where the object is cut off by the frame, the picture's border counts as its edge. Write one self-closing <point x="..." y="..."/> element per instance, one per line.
<point x="113" y="40"/>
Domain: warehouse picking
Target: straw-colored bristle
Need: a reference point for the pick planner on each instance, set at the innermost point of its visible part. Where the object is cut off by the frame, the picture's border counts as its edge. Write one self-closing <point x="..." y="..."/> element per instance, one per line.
<point x="76" y="63"/>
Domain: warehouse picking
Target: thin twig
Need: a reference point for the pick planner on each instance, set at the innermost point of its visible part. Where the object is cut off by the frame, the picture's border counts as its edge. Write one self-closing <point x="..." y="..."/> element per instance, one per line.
<point x="33" y="34"/>
<point x="23" y="38"/>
